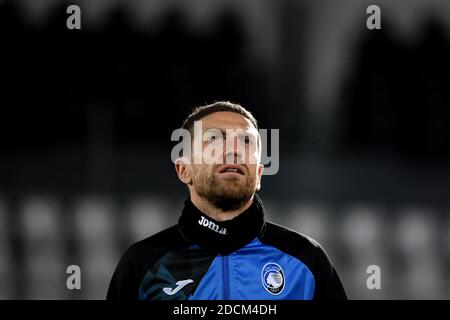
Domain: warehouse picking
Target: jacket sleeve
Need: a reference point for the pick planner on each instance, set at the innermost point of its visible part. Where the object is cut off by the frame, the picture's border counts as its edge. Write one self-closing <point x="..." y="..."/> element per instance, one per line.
<point x="328" y="284"/>
<point x="124" y="283"/>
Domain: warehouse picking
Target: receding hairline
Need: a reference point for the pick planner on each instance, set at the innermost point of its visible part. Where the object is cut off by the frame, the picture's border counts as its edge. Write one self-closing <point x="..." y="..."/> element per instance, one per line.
<point x="206" y="122"/>
<point x="201" y="112"/>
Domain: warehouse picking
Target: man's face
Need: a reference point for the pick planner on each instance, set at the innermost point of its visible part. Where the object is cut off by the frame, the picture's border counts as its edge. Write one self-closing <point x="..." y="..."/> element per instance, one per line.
<point x="230" y="170"/>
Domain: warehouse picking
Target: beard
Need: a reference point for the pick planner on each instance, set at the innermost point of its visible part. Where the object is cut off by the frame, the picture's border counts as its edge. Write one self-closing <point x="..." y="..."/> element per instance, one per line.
<point x="227" y="194"/>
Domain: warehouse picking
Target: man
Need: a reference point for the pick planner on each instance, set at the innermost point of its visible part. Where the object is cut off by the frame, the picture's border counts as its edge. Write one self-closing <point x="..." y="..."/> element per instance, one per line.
<point x="222" y="247"/>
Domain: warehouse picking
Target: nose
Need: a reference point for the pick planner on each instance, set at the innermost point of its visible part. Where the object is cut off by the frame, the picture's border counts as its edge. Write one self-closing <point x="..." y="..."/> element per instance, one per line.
<point x="233" y="152"/>
<point x="232" y="157"/>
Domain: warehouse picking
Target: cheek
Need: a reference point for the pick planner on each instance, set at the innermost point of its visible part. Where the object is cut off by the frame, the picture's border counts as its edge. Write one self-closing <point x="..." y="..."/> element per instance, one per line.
<point x="253" y="156"/>
<point x="194" y="173"/>
<point x="253" y="169"/>
<point x="201" y="172"/>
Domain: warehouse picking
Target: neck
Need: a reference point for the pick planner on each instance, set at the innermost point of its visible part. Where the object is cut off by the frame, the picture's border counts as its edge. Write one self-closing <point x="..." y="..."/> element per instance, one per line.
<point x="216" y="213"/>
<point x="221" y="236"/>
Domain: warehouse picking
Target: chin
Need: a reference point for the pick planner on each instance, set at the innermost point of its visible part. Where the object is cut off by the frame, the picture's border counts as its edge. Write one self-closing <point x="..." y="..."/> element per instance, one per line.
<point x="228" y="203"/>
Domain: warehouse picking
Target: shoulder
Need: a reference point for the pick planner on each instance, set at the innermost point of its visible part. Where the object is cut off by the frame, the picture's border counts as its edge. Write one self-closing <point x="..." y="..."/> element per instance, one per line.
<point x="287" y="238"/>
<point x="137" y="259"/>
<point x="296" y="244"/>
<point x="156" y="245"/>
<point x="327" y="283"/>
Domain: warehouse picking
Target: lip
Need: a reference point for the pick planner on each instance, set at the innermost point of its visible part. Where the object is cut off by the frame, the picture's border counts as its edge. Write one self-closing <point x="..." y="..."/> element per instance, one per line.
<point x="239" y="168"/>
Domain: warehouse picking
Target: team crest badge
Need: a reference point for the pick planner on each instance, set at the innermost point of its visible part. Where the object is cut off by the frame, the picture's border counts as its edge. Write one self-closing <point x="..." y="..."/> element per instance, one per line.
<point x="272" y="278"/>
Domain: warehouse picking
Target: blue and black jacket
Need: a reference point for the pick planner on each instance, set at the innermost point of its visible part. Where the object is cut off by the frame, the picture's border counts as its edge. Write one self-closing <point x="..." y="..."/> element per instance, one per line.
<point x="243" y="258"/>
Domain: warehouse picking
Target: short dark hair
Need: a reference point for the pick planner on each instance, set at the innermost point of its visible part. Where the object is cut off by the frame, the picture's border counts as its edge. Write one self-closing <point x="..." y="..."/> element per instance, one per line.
<point x="202" y="111"/>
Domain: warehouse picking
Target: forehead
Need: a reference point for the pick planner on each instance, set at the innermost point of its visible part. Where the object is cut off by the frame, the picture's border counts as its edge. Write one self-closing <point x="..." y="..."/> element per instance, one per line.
<point x="227" y="120"/>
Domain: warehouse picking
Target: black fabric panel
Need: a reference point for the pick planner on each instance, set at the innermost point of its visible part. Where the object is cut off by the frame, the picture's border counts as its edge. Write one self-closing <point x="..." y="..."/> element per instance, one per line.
<point x="175" y="266"/>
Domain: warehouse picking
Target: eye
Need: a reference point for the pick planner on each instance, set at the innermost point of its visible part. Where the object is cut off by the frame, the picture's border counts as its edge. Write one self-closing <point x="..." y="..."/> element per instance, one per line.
<point x="212" y="136"/>
<point x="245" y="139"/>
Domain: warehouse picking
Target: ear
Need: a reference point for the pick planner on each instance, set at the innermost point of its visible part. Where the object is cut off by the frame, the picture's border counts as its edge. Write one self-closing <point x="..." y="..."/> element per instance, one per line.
<point x="183" y="169"/>
<point x="259" y="177"/>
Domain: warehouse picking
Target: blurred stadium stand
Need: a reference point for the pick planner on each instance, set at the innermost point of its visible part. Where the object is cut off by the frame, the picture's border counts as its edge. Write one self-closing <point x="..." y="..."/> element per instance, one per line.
<point x="43" y="251"/>
<point x="86" y="118"/>
<point x="6" y="265"/>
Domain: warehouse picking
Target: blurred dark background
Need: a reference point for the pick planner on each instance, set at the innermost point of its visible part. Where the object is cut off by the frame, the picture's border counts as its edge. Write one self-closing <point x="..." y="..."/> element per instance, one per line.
<point x="86" y="118"/>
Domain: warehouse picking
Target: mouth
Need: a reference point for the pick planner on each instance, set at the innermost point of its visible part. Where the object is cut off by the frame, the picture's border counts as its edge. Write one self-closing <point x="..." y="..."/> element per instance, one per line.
<point x="230" y="169"/>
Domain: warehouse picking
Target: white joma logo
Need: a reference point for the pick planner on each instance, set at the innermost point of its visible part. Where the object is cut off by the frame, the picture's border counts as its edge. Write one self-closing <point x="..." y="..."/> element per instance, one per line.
<point x="211" y="225"/>
<point x="180" y="285"/>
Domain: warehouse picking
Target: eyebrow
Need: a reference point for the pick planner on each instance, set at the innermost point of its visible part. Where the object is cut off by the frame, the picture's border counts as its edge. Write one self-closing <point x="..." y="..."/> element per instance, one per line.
<point x="223" y="131"/>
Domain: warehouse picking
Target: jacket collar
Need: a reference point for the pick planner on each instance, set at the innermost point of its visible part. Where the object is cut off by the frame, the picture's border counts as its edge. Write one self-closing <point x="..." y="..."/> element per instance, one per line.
<point x="221" y="236"/>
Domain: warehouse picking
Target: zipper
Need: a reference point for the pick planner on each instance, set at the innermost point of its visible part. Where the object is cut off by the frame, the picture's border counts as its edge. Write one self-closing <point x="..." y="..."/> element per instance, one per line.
<point x="225" y="278"/>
